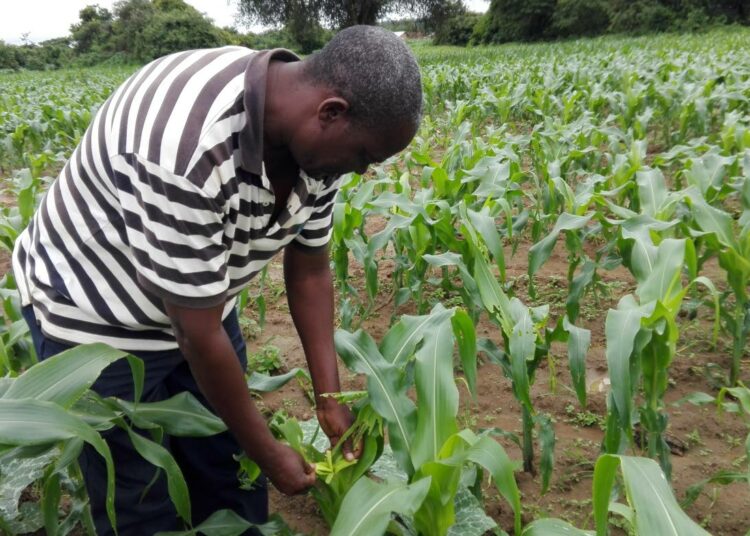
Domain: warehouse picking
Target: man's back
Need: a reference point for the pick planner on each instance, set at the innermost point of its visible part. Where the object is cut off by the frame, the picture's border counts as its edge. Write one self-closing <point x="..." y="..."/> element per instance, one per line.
<point x="154" y="204"/>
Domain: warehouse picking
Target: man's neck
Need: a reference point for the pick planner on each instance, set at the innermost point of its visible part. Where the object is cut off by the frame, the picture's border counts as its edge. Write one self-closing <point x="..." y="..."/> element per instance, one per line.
<point x="285" y="101"/>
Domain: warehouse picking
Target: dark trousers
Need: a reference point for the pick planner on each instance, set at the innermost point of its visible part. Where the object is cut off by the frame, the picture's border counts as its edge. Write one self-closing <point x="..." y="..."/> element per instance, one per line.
<point x="206" y="463"/>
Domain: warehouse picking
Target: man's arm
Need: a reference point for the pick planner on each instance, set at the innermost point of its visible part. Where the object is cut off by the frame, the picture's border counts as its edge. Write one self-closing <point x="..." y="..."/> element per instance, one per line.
<point x="217" y="371"/>
<point x="307" y="276"/>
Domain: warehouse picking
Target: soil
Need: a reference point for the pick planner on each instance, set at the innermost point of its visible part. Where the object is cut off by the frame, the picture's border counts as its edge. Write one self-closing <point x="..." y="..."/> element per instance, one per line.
<point x="712" y="441"/>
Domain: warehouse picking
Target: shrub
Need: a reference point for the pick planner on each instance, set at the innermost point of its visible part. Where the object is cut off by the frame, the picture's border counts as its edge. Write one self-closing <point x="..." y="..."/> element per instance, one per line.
<point x="173" y="31"/>
<point x="579" y="17"/>
<point x="642" y="16"/>
<point x="517" y="20"/>
<point x="457" y="30"/>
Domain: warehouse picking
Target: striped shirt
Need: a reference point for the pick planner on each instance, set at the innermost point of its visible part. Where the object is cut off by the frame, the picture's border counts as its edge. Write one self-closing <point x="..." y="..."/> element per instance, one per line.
<point x="165" y="198"/>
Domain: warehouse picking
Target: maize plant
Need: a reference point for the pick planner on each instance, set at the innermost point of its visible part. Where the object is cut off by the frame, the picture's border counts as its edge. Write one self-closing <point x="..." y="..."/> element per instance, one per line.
<point x="425" y="438"/>
<point x="48" y="413"/>
<point x="642" y="334"/>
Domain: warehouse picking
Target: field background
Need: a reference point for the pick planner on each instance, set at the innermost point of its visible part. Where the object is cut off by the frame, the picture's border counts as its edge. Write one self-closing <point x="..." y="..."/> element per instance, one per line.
<point x="608" y="107"/>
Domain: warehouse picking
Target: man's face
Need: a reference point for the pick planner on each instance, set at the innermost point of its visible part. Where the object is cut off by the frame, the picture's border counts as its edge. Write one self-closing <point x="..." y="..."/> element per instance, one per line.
<point x="336" y="146"/>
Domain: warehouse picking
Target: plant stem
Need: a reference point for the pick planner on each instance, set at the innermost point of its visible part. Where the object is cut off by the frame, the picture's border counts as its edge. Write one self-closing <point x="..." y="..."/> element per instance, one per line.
<point x="739" y="343"/>
<point x="528" y="443"/>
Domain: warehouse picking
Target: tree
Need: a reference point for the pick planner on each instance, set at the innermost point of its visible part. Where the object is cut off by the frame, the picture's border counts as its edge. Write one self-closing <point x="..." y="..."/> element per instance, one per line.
<point x="517" y="20"/>
<point x="176" y="26"/>
<point x="131" y="19"/>
<point x="94" y="31"/>
<point x="146" y="29"/>
<point x="439" y="13"/>
<point x="10" y="56"/>
<point x="336" y="14"/>
<point x="580" y="17"/>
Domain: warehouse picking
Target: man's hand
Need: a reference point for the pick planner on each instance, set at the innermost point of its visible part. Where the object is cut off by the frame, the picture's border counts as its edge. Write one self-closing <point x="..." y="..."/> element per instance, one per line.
<point x="288" y="471"/>
<point x="335" y="419"/>
<point x="217" y="371"/>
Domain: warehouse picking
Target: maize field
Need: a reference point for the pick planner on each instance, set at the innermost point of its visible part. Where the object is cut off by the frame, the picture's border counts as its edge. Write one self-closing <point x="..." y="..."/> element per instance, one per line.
<point x="543" y="309"/>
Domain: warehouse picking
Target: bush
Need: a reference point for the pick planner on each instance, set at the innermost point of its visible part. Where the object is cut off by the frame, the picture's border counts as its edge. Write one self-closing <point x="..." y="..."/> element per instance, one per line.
<point x="642" y="16"/>
<point x="308" y="35"/>
<point x="10" y="57"/>
<point x="173" y="31"/>
<point x="517" y="20"/>
<point x="269" y="39"/>
<point x="574" y="18"/>
<point x="457" y="30"/>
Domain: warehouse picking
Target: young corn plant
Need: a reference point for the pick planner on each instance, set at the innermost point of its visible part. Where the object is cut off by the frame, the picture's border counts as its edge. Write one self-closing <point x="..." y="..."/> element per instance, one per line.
<point x="424" y="437"/>
<point x="730" y="242"/>
<point x="526" y="339"/>
<point x="642" y="334"/>
<point x="652" y="507"/>
<point x="336" y="475"/>
<point x="48" y="413"/>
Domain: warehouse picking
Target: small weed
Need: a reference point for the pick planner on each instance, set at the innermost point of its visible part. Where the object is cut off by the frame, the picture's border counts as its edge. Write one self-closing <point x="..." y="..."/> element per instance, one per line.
<point x="249" y="327"/>
<point x="732" y="441"/>
<point x="694" y="438"/>
<point x="583" y="418"/>
<point x="289" y="405"/>
<point x="265" y="360"/>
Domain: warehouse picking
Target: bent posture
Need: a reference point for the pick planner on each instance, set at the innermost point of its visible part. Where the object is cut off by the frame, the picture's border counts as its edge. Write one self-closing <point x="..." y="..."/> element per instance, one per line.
<point x="191" y="177"/>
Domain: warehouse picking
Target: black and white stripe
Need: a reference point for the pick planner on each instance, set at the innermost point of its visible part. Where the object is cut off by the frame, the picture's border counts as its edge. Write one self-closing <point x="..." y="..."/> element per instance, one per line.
<point x="165" y="198"/>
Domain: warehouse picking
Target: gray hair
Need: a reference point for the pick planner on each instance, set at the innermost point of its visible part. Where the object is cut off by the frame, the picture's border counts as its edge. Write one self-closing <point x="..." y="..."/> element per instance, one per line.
<point x="375" y="72"/>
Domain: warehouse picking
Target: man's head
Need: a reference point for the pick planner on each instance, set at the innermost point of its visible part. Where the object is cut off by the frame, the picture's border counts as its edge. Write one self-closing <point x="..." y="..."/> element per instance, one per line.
<point x="369" y="102"/>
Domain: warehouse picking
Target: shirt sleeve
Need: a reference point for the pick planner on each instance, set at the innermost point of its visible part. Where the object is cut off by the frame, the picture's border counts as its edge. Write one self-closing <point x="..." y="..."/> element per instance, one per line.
<point x="175" y="232"/>
<point x="316" y="233"/>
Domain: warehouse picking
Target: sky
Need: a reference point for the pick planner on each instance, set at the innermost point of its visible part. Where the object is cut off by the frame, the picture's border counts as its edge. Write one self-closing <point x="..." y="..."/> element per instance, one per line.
<point x="45" y="19"/>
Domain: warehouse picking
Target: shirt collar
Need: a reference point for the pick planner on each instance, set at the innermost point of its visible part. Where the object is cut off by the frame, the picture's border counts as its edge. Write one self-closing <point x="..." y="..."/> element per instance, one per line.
<point x="251" y="136"/>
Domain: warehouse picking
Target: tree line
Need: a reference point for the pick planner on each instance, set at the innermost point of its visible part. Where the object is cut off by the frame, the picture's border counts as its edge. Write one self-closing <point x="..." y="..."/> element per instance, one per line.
<point x="137" y="31"/>
<point x="533" y="20"/>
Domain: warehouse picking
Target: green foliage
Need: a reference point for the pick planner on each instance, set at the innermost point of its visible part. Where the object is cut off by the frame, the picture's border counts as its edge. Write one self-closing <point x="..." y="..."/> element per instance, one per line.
<point x="266" y="359"/>
<point x="336" y="475"/>
<point x="92" y="33"/>
<point x="573" y="18"/>
<point x="307" y="34"/>
<point x="425" y="438"/>
<point x="642" y="16"/>
<point x="229" y="523"/>
<point x="598" y="154"/>
<point x="457" y="30"/>
<point x="50" y="405"/>
<point x="51" y="54"/>
<point x="652" y="507"/>
<point x="175" y="30"/>
<point x="138" y="31"/>
<point x="517" y="20"/>
<point x="335" y="13"/>
<point x="132" y="18"/>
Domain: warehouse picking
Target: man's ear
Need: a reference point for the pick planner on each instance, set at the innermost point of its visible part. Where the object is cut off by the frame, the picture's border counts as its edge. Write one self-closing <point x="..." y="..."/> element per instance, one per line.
<point x="331" y="110"/>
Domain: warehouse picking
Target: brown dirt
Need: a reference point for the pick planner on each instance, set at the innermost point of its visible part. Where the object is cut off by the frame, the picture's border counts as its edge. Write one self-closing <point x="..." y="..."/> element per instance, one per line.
<point x="714" y="441"/>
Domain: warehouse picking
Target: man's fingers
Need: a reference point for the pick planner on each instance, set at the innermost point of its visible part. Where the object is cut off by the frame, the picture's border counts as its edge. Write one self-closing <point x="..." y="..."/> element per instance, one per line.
<point x="347" y="449"/>
<point x="358" y="448"/>
<point x="311" y="476"/>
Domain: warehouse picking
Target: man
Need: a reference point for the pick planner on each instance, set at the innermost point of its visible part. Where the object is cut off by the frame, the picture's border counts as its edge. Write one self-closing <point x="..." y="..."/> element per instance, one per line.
<point x="192" y="175"/>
